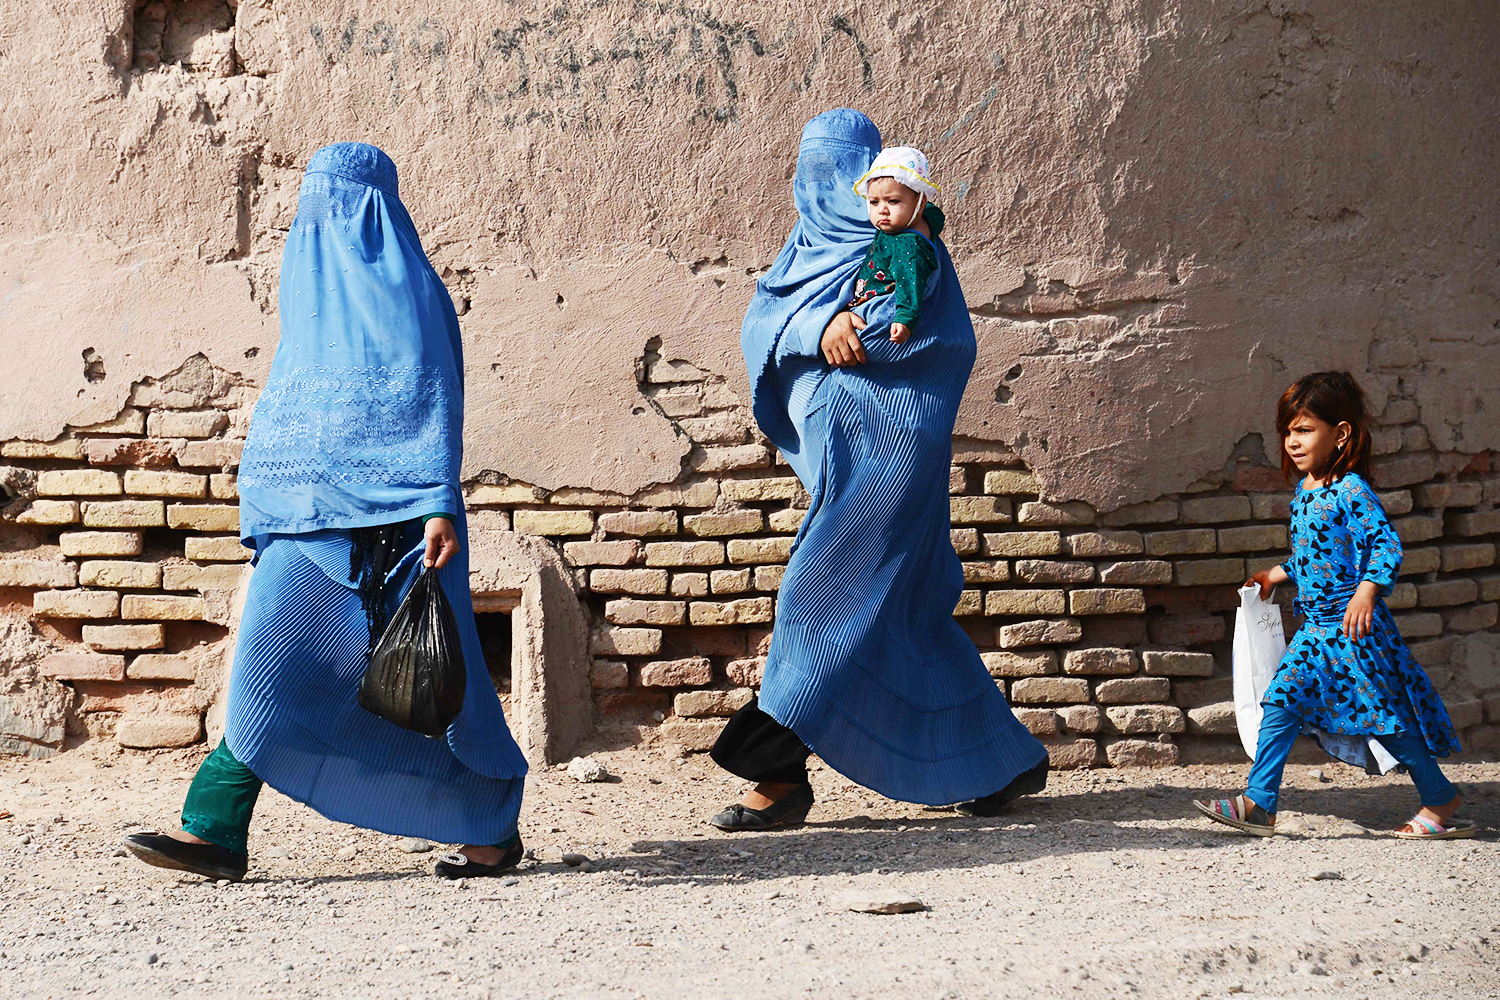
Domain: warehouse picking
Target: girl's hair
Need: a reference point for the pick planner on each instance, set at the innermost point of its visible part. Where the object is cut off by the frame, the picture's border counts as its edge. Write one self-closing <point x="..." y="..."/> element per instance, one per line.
<point x="1334" y="398"/>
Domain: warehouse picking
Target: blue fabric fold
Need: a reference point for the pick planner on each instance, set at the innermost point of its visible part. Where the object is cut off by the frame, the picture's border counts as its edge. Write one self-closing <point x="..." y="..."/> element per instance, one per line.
<point x="867" y="665"/>
<point x="361" y="420"/>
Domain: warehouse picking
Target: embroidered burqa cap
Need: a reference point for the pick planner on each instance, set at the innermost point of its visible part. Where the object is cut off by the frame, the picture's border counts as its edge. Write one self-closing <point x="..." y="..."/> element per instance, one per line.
<point x="906" y="165"/>
<point x="361" y="420"/>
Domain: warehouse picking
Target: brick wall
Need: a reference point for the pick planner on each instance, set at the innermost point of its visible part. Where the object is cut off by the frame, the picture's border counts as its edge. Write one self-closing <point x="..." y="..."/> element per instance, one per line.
<point x="1109" y="632"/>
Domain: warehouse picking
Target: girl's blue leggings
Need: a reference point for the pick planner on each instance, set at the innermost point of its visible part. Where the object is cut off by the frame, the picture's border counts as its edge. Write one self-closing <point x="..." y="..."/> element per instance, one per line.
<point x="1279" y="728"/>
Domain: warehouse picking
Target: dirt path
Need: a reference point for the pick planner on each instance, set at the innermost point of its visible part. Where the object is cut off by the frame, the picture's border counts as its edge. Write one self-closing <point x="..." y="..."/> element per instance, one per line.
<point x="1106" y="885"/>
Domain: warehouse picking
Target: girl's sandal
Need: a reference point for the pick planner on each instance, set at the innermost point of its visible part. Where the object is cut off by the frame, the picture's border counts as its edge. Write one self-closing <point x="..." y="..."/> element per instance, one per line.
<point x="1419" y="827"/>
<point x="1238" y="812"/>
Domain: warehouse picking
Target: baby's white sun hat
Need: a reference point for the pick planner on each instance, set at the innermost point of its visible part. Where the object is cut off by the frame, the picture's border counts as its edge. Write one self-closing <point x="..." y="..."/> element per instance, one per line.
<point x="907" y="165"/>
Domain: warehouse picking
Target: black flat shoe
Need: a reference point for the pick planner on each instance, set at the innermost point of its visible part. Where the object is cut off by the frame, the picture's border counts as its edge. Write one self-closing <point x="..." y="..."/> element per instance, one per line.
<point x="789" y="810"/>
<point x="1026" y="783"/>
<point x="208" y="860"/>
<point x="458" y="866"/>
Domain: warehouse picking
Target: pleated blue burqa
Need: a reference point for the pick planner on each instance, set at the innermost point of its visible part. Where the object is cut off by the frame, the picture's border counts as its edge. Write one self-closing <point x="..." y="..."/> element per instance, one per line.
<point x="867" y="665"/>
<point x="360" y="424"/>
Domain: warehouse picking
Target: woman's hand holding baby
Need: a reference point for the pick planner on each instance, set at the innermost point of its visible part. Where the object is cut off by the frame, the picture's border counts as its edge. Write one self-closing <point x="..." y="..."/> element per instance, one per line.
<point x="841" y="344"/>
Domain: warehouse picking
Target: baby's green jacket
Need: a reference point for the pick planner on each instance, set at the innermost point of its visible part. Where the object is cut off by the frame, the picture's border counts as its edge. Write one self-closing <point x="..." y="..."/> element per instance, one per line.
<point x="899" y="264"/>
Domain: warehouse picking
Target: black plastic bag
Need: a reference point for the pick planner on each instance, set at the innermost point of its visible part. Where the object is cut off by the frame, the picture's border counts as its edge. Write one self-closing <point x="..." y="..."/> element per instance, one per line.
<point x="416" y="675"/>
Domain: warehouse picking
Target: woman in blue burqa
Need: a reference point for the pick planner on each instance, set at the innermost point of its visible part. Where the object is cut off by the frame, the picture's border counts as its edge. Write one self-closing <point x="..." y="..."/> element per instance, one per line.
<point x="348" y="488"/>
<point x="867" y="667"/>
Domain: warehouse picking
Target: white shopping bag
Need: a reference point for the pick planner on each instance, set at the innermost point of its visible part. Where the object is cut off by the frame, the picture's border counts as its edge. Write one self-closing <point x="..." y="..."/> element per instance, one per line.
<point x="1259" y="642"/>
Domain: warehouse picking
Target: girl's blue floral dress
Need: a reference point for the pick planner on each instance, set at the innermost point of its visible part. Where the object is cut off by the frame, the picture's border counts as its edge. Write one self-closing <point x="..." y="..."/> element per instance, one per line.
<point x="1347" y="691"/>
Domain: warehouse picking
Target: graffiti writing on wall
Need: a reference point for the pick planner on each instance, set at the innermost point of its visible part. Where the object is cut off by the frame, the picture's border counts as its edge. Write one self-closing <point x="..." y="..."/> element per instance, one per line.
<point x="564" y="67"/>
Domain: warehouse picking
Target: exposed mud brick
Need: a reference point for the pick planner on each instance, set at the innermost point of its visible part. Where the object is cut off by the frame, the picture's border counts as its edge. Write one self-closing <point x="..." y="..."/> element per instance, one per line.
<point x="125" y="514"/>
<point x="154" y="730"/>
<point x="1133" y="720"/>
<point x="744" y="456"/>
<point x="1396" y="501"/>
<point x="1447" y="593"/>
<point x="1416" y="561"/>
<point x="1008" y="664"/>
<point x="1209" y="572"/>
<point x="165" y="484"/>
<point x="70" y="450"/>
<point x="1081" y="718"/>
<point x="625" y="642"/>
<point x="109" y="573"/>
<point x="970" y="602"/>
<point x="124" y="636"/>
<point x="761" y="490"/>
<point x="100" y="543"/>
<point x="1489" y="586"/>
<point x="130" y="451"/>
<point x="1196" y="600"/>
<point x="221" y="548"/>
<point x="1419" y="624"/>
<point x="78" y="483"/>
<point x="711" y="704"/>
<point x="1469" y="525"/>
<point x="689" y="584"/>
<point x="1253" y="538"/>
<point x="1042" y="514"/>
<point x="1418" y="528"/>
<point x="1114" y="630"/>
<point x="83" y="666"/>
<point x="702" y="493"/>
<point x="1465" y="712"/>
<point x="1069" y="755"/>
<point x="958" y="479"/>
<point x="729" y="581"/>
<point x="1189" y="541"/>
<point x="745" y="611"/>
<point x="1130" y="690"/>
<point x="505" y="494"/>
<point x="1186" y="630"/>
<point x="1140" y="572"/>
<point x="214" y="576"/>
<point x="37" y="573"/>
<point x="1399" y="411"/>
<point x="1217" y="719"/>
<point x="1004" y="481"/>
<point x="1053" y="571"/>
<point x="1039" y="721"/>
<point x="1257" y="478"/>
<point x="1023" y="543"/>
<point x="1173" y="663"/>
<point x="1449" y="494"/>
<point x="994" y="571"/>
<point x="690" y="671"/>
<point x="1095" y="662"/>
<point x="49" y="512"/>
<point x="1025" y="602"/>
<point x="724" y="427"/>
<point x="1474" y="618"/>
<point x="572" y="496"/>
<point x="979" y="510"/>
<point x="1038" y="633"/>
<point x="224" y="486"/>
<point x="1385" y="441"/>
<point x="769" y="577"/>
<point x="760" y="550"/>
<point x="746" y="672"/>
<point x="609" y="674"/>
<point x="1107" y="601"/>
<point x="1403" y="596"/>
<point x="628" y="581"/>
<point x="1097" y="544"/>
<point x="223" y="455"/>
<point x="734" y="522"/>
<point x="553" y="522"/>
<point x="1271" y="507"/>
<point x="621" y="553"/>
<point x="639" y="522"/>
<point x="965" y="541"/>
<point x="1390" y="471"/>
<point x="161" y="607"/>
<point x="1141" y="753"/>
<point x="1155" y="512"/>
<point x="684" y="553"/>
<point x="1049" y="690"/>
<point x="703" y="641"/>
<point x="204" y="516"/>
<point x="161" y="667"/>
<point x="789" y="519"/>
<point x="75" y="603"/>
<point x="627" y="611"/>
<point x="1215" y="510"/>
<point x="1463" y="557"/>
<point x="187" y="423"/>
<point x="1192" y="694"/>
<point x="696" y="735"/>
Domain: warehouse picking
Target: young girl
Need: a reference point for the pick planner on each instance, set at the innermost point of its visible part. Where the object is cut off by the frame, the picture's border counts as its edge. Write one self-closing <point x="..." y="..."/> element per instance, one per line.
<point x="1347" y="677"/>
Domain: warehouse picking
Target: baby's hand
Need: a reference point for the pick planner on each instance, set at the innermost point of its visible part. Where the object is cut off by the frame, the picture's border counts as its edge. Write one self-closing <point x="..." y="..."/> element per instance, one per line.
<point x="899" y="333"/>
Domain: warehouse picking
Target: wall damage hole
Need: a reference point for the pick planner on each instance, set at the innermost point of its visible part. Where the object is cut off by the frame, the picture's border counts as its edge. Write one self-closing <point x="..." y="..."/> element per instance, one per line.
<point x="93" y="366"/>
<point x="253" y="352"/>
<point x="492" y="617"/>
<point x="197" y="35"/>
<point x="1002" y="391"/>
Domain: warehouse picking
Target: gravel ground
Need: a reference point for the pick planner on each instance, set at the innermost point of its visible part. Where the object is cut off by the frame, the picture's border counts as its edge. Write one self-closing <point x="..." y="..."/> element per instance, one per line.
<point x="1106" y="885"/>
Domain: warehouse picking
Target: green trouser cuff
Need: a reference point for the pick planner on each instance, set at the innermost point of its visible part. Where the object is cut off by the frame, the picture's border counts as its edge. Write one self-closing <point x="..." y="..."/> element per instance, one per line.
<point x="221" y="800"/>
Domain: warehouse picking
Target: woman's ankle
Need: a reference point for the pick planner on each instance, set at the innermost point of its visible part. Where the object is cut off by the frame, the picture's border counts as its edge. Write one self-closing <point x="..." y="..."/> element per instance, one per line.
<point x="1442" y="813"/>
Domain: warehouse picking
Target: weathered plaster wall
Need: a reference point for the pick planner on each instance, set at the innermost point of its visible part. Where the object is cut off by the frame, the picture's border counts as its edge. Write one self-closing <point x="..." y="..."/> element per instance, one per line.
<point x="1163" y="211"/>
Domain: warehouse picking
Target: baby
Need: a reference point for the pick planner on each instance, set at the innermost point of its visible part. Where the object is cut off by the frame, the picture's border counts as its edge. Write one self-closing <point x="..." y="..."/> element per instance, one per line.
<point x="901" y="257"/>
